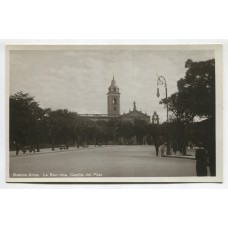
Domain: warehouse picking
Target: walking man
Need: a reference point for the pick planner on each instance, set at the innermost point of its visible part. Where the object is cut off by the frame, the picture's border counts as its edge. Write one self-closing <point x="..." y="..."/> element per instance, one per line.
<point x="156" y="147"/>
<point x="201" y="160"/>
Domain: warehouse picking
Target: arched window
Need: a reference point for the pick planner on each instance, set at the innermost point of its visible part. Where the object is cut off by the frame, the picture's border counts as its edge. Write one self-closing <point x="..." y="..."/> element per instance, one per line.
<point x="114" y="101"/>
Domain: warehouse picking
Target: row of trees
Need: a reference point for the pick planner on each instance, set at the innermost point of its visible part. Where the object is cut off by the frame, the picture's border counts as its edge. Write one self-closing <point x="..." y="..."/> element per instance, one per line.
<point x="30" y="125"/>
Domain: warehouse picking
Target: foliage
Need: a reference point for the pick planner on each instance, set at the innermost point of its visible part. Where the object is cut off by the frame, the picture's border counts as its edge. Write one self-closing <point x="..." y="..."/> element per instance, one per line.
<point x="126" y="129"/>
<point x="30" y="124"/>
<point x="179" y="105"/>
<point x="198" y="87"/>
<point x="196" y="92"/>
<point x="25" y="115"/>
<point x="195" y="98"/>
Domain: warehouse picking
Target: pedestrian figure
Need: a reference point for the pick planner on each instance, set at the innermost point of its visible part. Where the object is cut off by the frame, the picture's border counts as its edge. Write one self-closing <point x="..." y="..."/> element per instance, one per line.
<point x="17" y="148"/>
<point x="163" y="149"/>
<point x="211" y="157"/>
<point x="175" y="147"/>
<point x="201" y="160"/>
<point x="156" y="147"/>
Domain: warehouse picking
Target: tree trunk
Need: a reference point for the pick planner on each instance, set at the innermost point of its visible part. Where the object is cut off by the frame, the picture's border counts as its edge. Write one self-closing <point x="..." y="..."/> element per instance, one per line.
<point x="53" y="144"/>
<point x="183" y="141"/>
<point x="38" y="147"/>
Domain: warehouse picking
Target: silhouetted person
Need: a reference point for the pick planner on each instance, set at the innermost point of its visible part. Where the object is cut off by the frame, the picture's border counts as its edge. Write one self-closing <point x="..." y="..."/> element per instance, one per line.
<point x="201" y="160"/>
<point x="212" y="161"/>
<point x="17" y="148"/>
<point x="210" y="146"/>
<point x="180" y="146"/>
<point x="175" y="147"/>
<point x="156" y="144"/>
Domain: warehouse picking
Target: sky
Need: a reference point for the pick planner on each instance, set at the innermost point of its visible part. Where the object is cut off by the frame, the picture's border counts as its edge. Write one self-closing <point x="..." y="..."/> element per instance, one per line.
<point x="78" y="80"/>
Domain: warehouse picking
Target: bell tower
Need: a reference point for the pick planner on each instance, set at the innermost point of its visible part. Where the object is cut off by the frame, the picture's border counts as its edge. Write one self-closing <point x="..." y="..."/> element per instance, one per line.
<point x="155" y="118"/>
<point x="113" y="97"/>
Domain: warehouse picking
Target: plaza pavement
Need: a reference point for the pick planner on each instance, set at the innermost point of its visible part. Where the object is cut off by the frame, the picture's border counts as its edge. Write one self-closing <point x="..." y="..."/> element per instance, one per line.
<point x="110" y="161"/>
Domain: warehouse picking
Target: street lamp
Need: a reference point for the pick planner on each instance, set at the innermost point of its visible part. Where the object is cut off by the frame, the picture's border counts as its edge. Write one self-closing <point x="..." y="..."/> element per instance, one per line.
<point x="161" y="81"/>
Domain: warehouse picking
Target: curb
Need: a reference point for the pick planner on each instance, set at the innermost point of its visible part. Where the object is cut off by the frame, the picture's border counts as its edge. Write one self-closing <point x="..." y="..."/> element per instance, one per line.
<point x="183" y="157"/>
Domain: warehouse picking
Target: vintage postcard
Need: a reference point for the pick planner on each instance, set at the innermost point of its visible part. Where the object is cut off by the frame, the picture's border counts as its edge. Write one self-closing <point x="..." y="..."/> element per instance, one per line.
<point x="114" y="113"/>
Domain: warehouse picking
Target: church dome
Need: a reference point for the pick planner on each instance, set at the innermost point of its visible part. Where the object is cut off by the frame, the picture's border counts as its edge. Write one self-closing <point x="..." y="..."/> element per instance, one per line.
<point x="113" y="83"/>
<point x="113" y="87"/>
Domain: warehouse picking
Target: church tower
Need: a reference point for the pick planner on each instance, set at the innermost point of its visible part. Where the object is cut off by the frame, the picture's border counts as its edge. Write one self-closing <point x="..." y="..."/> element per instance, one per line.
<point x="113" y="97"/>
<point x="155" y="118"/>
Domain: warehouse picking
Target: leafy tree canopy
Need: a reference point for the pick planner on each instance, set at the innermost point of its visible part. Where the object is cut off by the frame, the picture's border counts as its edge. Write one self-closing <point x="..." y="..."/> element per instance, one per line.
<point x="196" y="92"/>
<point x="24" y="115"/>
<point x="198" y="87"/>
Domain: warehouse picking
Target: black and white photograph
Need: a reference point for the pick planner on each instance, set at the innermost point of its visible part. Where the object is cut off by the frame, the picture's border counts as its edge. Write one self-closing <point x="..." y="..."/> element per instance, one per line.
<point x="114" y="113"/>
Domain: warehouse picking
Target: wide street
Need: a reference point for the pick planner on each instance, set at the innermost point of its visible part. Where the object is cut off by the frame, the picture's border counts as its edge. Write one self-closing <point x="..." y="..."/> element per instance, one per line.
<point x="111" y="161"/>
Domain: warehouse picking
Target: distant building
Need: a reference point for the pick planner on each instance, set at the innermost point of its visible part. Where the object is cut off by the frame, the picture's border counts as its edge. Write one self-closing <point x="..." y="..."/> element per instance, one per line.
<point x="113" y="108"/>
<point x="135" y="115"/>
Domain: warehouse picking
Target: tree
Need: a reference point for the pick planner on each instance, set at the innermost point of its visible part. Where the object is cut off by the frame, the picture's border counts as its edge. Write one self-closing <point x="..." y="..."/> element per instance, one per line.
<point x="198" y="87"/>
<point x="195" y="96"/>
<point x="62" y="126"/>
<point x="101" y="132"/>
<point x="126" y="130"/>
<point x="25" y="115"/>
<point x="140" y="129"/>
<point x="196" y="92"/>
<point x="179" y="106"/>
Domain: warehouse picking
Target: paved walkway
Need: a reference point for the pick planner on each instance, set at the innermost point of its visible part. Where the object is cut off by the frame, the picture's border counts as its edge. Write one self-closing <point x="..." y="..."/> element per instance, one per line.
<point x="111" y="161"/>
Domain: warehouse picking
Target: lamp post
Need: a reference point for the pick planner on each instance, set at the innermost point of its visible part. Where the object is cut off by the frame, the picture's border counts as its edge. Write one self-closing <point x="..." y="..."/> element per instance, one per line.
<point x="162" y="81"/>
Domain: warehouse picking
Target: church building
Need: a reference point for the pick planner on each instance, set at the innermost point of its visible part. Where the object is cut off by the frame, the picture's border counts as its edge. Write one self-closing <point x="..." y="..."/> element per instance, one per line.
<point x="113" y="108"/>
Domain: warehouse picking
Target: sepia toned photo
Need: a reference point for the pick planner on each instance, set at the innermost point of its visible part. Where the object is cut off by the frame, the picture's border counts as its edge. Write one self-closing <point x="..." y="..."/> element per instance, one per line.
<point x="114" y="113"/>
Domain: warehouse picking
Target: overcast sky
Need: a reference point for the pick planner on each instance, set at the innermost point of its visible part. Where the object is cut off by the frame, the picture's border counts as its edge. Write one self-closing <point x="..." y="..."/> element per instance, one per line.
<point x="79" y="80"/>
